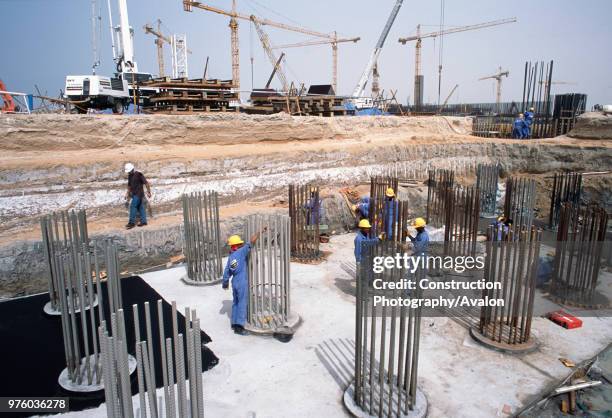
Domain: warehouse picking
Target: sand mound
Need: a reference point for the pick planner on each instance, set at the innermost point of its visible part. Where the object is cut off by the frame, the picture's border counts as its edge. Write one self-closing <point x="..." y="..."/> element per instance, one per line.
<point x="76" y="132"/>
<point x="592" y="125"/>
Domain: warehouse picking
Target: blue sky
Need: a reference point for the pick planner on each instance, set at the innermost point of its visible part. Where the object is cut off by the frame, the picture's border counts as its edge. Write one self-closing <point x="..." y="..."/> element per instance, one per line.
<point x="44" y="40"/>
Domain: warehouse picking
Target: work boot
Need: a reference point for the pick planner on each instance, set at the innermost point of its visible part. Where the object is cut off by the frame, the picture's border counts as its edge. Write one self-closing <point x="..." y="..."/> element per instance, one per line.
<point x="142" y="224"/>
<point x="130" y="226"/>
<point x="239" y="329"/>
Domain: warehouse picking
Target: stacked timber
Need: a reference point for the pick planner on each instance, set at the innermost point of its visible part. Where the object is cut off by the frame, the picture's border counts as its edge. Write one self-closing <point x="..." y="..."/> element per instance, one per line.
<point x="182" y="95"/>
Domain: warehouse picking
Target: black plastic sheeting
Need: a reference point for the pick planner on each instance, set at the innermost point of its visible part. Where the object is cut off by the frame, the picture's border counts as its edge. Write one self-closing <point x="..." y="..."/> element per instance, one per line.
<point x="32" y="350"/>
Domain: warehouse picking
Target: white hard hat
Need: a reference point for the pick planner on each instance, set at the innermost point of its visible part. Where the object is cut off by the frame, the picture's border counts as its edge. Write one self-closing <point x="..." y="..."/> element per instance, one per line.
<point x="129" y="167"/>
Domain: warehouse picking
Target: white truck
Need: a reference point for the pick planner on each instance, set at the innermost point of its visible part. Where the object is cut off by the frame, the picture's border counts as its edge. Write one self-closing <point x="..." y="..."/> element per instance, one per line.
<point x="97" y="92"/>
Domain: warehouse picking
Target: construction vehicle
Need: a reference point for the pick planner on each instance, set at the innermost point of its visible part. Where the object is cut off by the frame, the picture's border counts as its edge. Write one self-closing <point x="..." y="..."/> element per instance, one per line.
<point x="418" y="78"/>
<point x="8" y="104"/>
<point x="101" y="92"/>
<point x="358" y="100"/>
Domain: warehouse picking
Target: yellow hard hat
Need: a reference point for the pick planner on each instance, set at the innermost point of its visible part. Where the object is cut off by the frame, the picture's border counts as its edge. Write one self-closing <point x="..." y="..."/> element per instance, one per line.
<point x="234" y="240"/>
<point x="501" y="218"/>
<point x="364" y="223"/>
<point x="390" y="192"/>
<point x="419" y="223"/>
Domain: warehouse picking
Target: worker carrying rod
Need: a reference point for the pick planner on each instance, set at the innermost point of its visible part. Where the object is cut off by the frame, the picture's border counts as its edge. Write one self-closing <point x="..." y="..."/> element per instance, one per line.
<point x="237" y="268"/>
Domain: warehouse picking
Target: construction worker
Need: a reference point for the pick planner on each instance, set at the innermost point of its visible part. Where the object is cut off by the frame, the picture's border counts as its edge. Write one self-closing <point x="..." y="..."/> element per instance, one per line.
<point x="528" y="122"/>
<point x="237" y="268"/>
<point x="363" y="208"/>
<point x="421" y="240"/>
<point x="135" y="190"/>
<point x="518" y="127"/>
<point x="391" y="209"/>
<point x="502" y="226"/>
<point x="314" y="208"/>
<point x="363" y="236"/>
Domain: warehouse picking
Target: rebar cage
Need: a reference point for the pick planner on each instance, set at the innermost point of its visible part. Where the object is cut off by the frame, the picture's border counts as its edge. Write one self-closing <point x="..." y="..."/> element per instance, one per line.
<point x="269" y="273"/>
<point x="520" y="202"/>
<point x="305" y="209"/>
<point x="79" y="273"/>
<point x="487" y="177"/>
<point x="387" y="216"/>
<point x="580" y="238"/>
<point x="202" y="238"/>
<point x="62" y="232"/>
<point x="181" y="361"/>
<point x="438" y="185"/>
<point x="511" y="263"/>
<point x="386" y="362"/>
<point x="461" y="221"/>
<point x="567" y="187"/>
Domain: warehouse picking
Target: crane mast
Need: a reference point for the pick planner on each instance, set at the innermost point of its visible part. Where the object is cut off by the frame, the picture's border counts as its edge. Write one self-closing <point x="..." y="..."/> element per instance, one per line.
<point x="367" y="71"/>
<point x="418" y="78"/>
<point x="126" y="40"/>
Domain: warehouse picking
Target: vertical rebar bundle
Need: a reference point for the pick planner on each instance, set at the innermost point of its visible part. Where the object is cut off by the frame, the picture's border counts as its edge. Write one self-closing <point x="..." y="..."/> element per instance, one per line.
<point x="305" y="210"/>
<point x="386" y="344"/>
<point x="378" y="187"/>
<point x="181" y="360"/>
<point x="269" y="277"/>
<point x="202" y="238"/>
<point x="461" y="223"/>
<point x="536" y="94"/>
<point x="487" y="177"/>
<point x="439" y="186"/>
<point x="79" y="272"/>
<point x="520" y="202"/>
<point x="511" y="264"/>
<point x="567" y="187"/>
<point x="580" y="239"/>
<point x="62" y="232"/>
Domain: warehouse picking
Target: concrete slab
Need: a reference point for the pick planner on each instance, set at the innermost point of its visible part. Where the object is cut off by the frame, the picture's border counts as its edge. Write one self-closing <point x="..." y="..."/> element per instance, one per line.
<point x="307" y="377"/>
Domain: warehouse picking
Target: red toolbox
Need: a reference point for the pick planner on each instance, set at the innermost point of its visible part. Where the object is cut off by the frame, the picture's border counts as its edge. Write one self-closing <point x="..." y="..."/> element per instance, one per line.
<point x="565" y="320"/>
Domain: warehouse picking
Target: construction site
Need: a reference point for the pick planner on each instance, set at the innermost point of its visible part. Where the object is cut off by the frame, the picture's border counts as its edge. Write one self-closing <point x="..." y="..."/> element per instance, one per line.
<point x="222" y="238"/>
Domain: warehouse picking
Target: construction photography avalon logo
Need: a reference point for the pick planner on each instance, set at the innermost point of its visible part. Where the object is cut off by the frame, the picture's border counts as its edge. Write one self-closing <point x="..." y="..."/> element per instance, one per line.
<point x="288" y="209"/>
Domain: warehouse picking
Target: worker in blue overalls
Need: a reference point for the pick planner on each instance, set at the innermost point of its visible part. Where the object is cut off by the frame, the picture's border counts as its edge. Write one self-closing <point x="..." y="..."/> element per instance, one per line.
<point x="362" y="238"/>
<point x="390" y="214"/>
<point x="363" y="207"/>
<point x="237" y="268"/>
<point x="518" y="127"/>
<point x="528" y="122"/>
<point x="314" y="208"/>
<point x="421" y="240"/>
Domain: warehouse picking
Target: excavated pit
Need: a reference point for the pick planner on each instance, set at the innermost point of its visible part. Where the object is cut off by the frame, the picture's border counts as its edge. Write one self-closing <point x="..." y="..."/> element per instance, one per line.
<point x="53" y="162"/>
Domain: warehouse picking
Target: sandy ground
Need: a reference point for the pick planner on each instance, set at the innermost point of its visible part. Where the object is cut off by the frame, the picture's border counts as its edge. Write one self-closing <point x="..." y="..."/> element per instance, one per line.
<point x="262" y="377"/>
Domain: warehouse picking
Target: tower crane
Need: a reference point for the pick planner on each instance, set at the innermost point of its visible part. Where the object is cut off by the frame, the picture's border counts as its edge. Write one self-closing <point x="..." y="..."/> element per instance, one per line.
<point x="418" y="78"/>
<point x="265" y="42"/>
<point x="188" y="6"/>
<point x="334" y="43"/>
<point x="497" y="77"/>
<point x="160" y="39"/>
<point x="367" y="71"/>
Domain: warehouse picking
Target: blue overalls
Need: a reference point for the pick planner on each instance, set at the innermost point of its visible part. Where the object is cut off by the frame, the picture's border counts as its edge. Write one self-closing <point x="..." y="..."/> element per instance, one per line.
<point x="421" y="243"/>
<point x="528" y="123"/>
<point x="390" y="215"/>
<point x="237" y="267"/>
<point x="315" y="211"/>
<point x="518" y="128"/>
<point x="364" y="207"/>
<point x="359" y="239"/>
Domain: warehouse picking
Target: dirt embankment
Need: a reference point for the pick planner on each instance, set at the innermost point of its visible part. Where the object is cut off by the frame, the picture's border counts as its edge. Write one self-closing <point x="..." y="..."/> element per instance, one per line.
<point x="75" y="132"/>
<point x="592" y="125"/>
